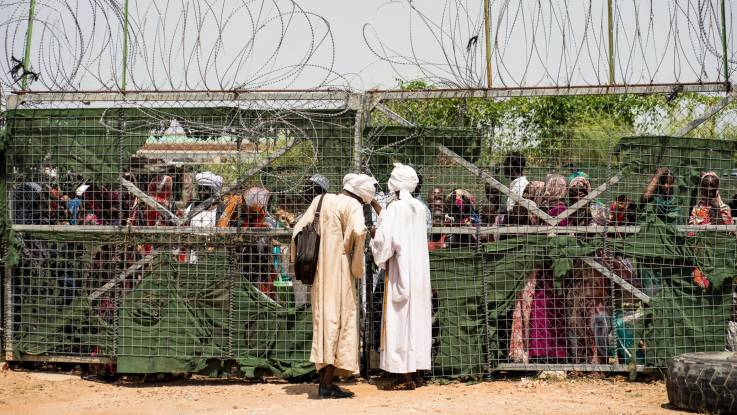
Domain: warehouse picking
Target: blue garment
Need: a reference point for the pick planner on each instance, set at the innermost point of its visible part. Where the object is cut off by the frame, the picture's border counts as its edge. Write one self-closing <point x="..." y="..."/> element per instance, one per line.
<point x="73" y="206"/>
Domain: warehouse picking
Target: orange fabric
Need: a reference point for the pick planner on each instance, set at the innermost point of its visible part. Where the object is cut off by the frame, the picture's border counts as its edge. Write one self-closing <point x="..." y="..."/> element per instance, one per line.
<point x="231" y="205"/>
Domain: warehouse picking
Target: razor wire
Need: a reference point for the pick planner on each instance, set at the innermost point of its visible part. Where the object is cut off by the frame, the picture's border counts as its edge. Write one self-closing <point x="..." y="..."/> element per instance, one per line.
<point x="554" y="43"/>
<point x="225" y="45"/>
<point x="214" y="44"/>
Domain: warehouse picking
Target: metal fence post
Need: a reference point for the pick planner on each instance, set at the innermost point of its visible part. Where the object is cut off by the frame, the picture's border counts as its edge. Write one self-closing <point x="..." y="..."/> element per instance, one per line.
<point x="366" y="284"/>
<point x="8" y="312"/>
<point x="724" y="42"/>
<point x="610" y="23"/>
<point x="485" y="299"/>
<point x="124" y="70"/>
<point x="487" y="41"/>
<point x="29" y="35"/>
<point x="116" y="289"/>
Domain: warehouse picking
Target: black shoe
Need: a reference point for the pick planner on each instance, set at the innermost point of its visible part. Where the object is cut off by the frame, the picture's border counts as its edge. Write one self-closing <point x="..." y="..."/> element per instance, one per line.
<point x="340" y="393"/>
<point x="333" y="392"/>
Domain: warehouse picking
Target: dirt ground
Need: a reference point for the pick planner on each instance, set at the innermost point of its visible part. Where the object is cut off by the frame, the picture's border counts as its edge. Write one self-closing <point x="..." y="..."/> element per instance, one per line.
<point x="61" y="394"/>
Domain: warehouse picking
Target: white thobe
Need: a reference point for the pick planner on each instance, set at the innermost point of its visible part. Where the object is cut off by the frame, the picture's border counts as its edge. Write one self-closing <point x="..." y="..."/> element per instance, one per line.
<point x="400" y="248"/>
<point x="517" y="187"/>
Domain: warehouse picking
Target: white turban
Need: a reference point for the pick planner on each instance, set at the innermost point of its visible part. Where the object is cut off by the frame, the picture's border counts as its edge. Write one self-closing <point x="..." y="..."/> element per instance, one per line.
<point x="403" y="179"/>
<point x="209" y="179"/>
<point x="360" y="185"/>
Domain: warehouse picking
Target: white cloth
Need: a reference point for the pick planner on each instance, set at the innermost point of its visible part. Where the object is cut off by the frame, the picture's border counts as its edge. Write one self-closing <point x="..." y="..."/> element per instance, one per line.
<point x="403" y="180"/>
<point x="361" y="185"/>
<point x="205" y="219"/>
<point x="517" y="187"/>
<point x="209" y="179"/>
<point x="400" y="248"/>
<point x="428" y="213"/>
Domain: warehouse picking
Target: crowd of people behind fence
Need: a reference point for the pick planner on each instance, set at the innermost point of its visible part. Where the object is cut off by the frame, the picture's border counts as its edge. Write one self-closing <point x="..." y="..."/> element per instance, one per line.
<point x="547" y="325"/>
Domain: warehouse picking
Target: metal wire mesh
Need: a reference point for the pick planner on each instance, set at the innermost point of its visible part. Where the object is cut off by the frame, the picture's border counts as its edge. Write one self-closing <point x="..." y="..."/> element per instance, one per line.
<point x="565" y="231"/>
<point x="614" y="255"/>
<point x="157" y="232"/>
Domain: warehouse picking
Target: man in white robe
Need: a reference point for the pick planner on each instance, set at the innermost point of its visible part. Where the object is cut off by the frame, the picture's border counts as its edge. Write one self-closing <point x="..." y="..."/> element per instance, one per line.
<point x="399" y="246"/>
<point x="340" y="263"/>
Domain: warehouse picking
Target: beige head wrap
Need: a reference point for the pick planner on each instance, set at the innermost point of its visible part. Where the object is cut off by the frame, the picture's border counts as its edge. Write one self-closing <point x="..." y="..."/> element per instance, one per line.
<point x="361" y="185"/>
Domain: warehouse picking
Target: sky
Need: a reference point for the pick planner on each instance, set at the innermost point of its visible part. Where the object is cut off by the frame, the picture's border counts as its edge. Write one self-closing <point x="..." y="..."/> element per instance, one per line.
<point x="197" y="44"/>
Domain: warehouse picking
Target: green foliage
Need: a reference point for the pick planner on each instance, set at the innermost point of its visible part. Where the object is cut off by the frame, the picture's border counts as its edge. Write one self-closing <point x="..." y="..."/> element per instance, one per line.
<point x="564" y="128"/>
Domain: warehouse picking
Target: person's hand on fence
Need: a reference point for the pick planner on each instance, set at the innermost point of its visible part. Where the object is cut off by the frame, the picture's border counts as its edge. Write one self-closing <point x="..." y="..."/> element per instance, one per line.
<point x="699" y="278"/>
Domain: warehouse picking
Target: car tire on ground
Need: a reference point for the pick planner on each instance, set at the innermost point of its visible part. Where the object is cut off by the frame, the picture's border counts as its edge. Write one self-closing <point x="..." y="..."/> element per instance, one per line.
<point x="704" y="382"/>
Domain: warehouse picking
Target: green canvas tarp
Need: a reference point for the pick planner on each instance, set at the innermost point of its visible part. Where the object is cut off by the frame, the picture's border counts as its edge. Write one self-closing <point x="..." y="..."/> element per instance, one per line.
<point x="208" y="318"/>
<point x="686" y="158"/>
<point x="182" y="316"/>
<point x="681" y="317"/>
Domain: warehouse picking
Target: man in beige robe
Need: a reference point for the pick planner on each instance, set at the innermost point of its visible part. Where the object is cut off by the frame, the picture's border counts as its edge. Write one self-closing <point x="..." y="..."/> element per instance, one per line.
<point x="334" y="296"/>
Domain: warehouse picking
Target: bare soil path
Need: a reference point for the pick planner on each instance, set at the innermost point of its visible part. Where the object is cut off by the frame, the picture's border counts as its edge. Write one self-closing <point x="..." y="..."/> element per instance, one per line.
<point x="34" y="393"/>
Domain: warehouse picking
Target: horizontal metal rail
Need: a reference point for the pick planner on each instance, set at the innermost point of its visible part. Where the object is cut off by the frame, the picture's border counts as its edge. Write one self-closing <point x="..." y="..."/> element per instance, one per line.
<point x="457" y="230"/>
<point x="151" y="230"/>
<point x="17" y="99"/>
<point x="567" y="367"/>
<point x="55" y="358"/>
<point x="353" y="99"/>
<point x="637" y="89"/>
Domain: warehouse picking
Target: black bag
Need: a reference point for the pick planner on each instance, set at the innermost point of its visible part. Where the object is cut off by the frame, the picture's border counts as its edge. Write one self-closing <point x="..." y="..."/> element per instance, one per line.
<point x="307" y="243"/>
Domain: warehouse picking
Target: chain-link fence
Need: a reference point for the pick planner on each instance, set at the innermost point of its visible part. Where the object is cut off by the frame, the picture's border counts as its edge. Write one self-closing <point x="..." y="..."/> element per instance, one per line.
<point x="152" y="230"/>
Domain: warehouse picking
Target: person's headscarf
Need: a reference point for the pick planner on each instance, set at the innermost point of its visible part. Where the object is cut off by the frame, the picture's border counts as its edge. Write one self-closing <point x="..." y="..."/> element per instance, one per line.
<point x="256" y="199"/>
<point x="403" y="180"/>
<point x="321" y="181"/>
<point x="577" y="173"/>
<point x="709" y="174"/>
<point x="701" y="181"/>
<point x="581" y="181"/>
<point x="556" y="188"/>
<point x="535" y="191"/>
<point x="462" y="199"/>
<point x="361" y="185"/>
<point x="461" y="206"/>
<point x="209" y="179"/>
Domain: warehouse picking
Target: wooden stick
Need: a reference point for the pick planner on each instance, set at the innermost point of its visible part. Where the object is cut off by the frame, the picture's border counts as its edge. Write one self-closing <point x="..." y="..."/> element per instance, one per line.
<point x="240" y="183"/>
<point x="125" y="274"/>
<point x="527" y="204"/>
<point x="145" y="198"/>
<point x="617" y="279"/>
<point x="586" y="200"/>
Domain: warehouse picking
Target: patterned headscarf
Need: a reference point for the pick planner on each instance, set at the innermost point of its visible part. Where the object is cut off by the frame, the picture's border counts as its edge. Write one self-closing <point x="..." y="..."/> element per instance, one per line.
<point x="576" y="174"/>
<point x="256" y="199"/>
<point x="535" y="192"/>
<point x="209" y="179"/>
<point x="321" y="181"/>
<point x="556" y="188"/>
<point x="701" y="183"/>
<point x="581" y="181"/>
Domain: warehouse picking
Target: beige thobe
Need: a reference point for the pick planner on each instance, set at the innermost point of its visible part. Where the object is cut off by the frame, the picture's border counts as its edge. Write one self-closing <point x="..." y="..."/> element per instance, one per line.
<point x="334" y="301"/>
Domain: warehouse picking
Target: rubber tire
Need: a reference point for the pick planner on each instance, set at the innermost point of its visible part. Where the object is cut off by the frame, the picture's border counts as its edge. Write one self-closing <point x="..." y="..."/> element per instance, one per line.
<point x="704" y="382"/>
